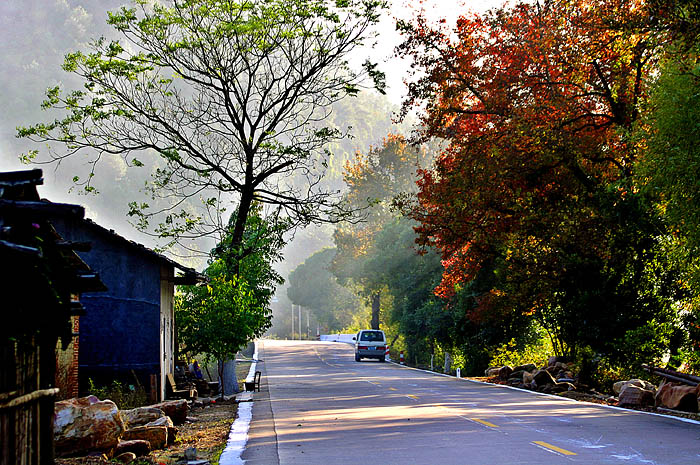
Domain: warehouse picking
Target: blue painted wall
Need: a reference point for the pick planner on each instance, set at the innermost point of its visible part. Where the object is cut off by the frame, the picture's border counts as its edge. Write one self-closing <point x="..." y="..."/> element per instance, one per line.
<point x="121" y="329"/>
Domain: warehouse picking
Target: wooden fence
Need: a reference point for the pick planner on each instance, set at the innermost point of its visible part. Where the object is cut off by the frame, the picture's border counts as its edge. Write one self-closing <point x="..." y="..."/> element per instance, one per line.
<point x="26" y="410"/>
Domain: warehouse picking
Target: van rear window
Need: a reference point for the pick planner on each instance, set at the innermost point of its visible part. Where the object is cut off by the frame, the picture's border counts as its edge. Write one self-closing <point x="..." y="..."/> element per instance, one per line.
<point x="372" y="336"/>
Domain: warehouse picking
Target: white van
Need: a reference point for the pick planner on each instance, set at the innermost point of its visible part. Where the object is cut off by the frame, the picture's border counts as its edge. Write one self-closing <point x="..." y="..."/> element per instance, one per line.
<point x="370" y="343"/>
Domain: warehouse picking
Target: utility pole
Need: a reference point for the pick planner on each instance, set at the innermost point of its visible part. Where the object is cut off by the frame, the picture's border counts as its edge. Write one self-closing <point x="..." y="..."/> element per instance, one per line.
<point x="299" y="306"/>
<point x="292" y="335"/>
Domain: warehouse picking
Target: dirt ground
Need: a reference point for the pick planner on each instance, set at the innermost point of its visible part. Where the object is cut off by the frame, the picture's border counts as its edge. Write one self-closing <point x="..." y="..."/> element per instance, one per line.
<point x="208" y="434"/>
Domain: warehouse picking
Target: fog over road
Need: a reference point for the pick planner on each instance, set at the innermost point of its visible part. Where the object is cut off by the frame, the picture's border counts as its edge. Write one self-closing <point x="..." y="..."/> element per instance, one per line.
<point x="319" y="406"/>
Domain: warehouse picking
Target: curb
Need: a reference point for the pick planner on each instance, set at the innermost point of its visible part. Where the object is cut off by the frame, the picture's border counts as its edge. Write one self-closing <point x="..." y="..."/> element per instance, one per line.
<point x="238" y="436"/>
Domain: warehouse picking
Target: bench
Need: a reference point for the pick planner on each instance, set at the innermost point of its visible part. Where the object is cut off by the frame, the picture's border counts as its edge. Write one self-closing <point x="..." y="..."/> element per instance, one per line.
<point x="175" y="392"/>
<point x="253" y="384"/>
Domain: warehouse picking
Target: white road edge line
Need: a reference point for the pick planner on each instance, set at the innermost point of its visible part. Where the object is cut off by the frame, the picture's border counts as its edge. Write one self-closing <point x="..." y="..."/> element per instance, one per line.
<point x="238" y="436"/>
<point x="685" y="420"/>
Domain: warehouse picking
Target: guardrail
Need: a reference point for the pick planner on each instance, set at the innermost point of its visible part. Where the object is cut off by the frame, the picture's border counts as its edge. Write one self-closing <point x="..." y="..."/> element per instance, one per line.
<point x="347" y="338"/>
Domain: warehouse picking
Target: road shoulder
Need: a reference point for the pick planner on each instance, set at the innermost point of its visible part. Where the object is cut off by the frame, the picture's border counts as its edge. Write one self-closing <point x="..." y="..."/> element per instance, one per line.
<point x="261" y="448"/>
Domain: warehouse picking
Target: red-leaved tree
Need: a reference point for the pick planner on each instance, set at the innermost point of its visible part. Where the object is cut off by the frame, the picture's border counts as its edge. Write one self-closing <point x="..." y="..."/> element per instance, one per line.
<point x="535" y="102"/>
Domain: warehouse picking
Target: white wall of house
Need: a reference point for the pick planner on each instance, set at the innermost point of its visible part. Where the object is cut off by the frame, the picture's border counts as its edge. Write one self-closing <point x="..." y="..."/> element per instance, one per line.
<point x="167" y="325"/>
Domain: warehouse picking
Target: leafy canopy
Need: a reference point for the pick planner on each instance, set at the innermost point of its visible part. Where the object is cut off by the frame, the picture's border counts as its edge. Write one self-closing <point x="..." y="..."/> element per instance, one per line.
<point x="220" y="317"/>
<point x="373" y="179"/>
<point x="232" y="308"/>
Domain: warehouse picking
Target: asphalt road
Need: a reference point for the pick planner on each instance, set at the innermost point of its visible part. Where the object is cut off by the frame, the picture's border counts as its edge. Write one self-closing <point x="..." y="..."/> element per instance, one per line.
<point x="319" y="406"/>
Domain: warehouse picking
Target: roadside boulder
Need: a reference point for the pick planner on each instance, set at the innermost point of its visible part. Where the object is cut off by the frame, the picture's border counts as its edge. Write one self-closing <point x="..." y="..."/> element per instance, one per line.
<point x="168" y="423"/>
<point x="529" y="367"/>
<point x="553" y="370"/>
<point x="515" y="382"/>
<point x="635" y="396"/>
<point x="563" y="387"/>
<point x="177" y="410"/>
<point x="528" y="377"/>
<point x="141" y="416"/>
<point x="676" y="397"/>
<point x="620" y="385"/>
<point x="565" y="374"/>
<point x="157" y="436"/>
<point x="617" y="387"/>
<point x="86" y="424"/>
<point x="138" y="447"/>
<point x="546" y="388"/>
<point x="505" y="372"/>
<point x="543" y="377"/>
<point x="162" y="421"/>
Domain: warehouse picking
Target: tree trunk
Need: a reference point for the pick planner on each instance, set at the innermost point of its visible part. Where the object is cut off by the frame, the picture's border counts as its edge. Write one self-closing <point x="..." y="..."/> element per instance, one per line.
<point x="230" y="381"/>
<point x="376" y="297"/>
<point x="220" y="369"/>
<point x="238" y="231"/>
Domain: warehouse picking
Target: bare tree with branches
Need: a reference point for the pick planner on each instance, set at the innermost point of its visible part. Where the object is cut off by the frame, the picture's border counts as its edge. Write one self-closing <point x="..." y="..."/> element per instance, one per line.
<point x="230" y="95"/>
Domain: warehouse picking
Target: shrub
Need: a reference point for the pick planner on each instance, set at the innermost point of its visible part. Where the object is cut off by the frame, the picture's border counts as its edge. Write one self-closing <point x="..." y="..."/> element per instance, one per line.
<point x="646" y="344"/>
<point x="513" y="354"/>
<point x="125" y="396"/>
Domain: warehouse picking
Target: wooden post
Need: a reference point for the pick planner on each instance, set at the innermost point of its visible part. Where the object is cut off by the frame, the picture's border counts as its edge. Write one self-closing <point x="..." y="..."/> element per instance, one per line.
<point x="153" y="392"/>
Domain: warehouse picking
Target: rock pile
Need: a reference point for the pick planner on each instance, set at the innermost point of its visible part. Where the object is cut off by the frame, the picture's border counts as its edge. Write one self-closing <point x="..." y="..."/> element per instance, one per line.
<point x="635" y="393"/>
<point x="557" y="376"/>
<point x="676" y="396"/>
<point x="85" y="425"/>
<point x="669" y="395"/>
<point x="88" y="425"/>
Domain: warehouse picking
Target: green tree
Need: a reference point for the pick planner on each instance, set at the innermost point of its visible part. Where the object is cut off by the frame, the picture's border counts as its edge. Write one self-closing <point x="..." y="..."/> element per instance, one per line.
<point x="670" y="166"/>
<point x="232" y="308"/>
<point x="219" y="317"/>
<point x="374" y="179"/>
<point x="430" y="324"/>
<point x="231" y="98"/>
<point x="410" y="277"/>
<point x="312" y="285"/>
<point x="253" y="259"/>
<point x="669" y="172"/>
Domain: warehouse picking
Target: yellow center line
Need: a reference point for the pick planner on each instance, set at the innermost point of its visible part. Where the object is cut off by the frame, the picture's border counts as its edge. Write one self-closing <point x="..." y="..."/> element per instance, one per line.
<point x="554" y="448"/>
<point x="484" y="422"/>
<point x="393" y="389"/>
<point x="412" y="396"/>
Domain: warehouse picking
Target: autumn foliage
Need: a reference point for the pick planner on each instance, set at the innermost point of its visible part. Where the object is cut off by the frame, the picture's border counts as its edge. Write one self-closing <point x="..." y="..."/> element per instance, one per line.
<point x="533" y="203"/>
<point x="535" y="102"/>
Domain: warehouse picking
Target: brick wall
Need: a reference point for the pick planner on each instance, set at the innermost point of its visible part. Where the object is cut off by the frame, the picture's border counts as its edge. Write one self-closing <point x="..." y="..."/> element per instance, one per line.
<point x="67" y="365"/>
